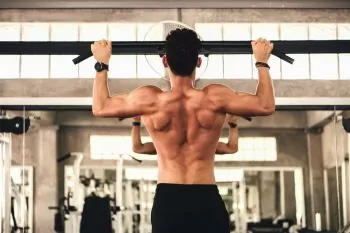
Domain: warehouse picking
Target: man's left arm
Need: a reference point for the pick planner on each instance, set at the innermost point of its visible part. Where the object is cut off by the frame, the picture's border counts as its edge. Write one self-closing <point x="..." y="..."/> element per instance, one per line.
<point x="141" y="101"/>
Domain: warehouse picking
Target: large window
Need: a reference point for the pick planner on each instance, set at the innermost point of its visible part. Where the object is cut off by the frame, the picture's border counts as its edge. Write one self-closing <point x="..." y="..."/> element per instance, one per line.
<point x="250" y="148"/>
<point x="61" y="66"/>
<point x="314" y="66"/>
<point x="111" y="147"/>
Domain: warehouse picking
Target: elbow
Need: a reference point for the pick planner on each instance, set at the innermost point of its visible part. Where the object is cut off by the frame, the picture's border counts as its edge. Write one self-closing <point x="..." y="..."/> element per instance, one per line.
<point x="268" y="109"/>
<point x="101" y="107"/>
<point x="102" y="110"/>
<point x="232" y="149"/>
<point x="137" y="149"/>
<point x="97" y="110"/>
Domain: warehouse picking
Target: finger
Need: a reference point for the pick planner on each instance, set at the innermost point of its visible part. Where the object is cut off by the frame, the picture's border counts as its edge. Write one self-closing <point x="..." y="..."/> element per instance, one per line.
<point x="270" y="48"/>
<point x="100" y="43"/>
<point x="109" y="44"/>
<point x="264" y="41"/>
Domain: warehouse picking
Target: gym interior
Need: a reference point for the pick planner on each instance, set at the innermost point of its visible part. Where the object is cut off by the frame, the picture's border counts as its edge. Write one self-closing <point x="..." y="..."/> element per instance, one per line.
<point x="291" y="172"/>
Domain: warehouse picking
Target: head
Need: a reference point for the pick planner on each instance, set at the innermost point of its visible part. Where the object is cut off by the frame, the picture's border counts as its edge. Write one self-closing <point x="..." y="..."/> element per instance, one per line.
<point x="182" y="48"/>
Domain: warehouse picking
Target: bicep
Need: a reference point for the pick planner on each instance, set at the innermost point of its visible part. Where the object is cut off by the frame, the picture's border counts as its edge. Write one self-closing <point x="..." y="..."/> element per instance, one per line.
<point x="221" y="148"/>
<point x="149" y="147"/>
<point x="138" y="102"/>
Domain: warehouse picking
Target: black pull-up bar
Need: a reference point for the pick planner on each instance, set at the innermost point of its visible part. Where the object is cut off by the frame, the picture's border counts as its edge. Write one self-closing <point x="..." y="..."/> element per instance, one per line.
<point x="281" y="48"/>
<point x="209" y="47"/>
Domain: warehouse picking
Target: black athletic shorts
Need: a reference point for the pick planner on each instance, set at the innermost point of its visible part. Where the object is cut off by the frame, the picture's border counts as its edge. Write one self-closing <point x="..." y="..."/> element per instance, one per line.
<point x="181" y="208"/>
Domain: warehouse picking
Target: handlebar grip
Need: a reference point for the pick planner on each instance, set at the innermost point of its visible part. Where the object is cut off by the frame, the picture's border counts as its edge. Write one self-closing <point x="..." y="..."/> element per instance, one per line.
<point x="82" y="57"/>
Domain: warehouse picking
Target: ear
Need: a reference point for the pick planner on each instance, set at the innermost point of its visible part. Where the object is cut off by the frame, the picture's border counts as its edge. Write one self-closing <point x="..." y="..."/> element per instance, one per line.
<point x="199" y="62"/>
<point x="165" y="62"/>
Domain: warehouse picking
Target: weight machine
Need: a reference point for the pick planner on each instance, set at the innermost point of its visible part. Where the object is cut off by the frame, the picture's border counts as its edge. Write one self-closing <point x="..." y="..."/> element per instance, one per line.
<point x="79" y="185"/>
<point x="16" y="198"/>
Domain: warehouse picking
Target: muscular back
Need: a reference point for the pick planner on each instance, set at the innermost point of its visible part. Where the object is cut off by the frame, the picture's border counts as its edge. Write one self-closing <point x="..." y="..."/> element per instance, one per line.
<point x="185" y="130"/>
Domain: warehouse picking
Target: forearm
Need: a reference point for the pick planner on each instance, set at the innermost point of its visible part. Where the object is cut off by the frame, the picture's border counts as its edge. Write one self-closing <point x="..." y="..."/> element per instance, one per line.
<point x="147" y="148"/>
<point x="137" y="145"/>
<point x="265" y="90"/>
<point x="221" y="148"/>
<point x="231" y="146"/>
<point x="136" y="137"/>
<point x="233" y="137"/>
<point x="100" y="91"/>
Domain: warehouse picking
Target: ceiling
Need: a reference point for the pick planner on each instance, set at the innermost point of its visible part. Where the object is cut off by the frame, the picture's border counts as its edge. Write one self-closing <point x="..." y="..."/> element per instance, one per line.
<point x="198" y="4"/>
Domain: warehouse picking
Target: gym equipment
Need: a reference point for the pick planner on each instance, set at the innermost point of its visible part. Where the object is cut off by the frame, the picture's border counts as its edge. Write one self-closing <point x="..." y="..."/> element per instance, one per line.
<point x="153" y="34"/>
<point x="264" y="227"/>
<point x="157" y="48"/>
<point x="21" y="199"/>
<point x="16" y="125"/>
<point x="346" y="228"/>
<point x="239" y="205"/>
<point x="346" y="124"/>
<point x="80" y="185"/>
<point x="96" y="215"/>
<point x="62" y="214"/>
<point x="314" y="231"/>
<point x="5" y="182"/>
<point x="270" y="225"/>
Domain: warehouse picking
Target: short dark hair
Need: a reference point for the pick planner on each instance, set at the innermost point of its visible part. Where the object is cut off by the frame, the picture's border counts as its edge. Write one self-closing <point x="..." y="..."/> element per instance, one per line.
<point x="182" y="47"/>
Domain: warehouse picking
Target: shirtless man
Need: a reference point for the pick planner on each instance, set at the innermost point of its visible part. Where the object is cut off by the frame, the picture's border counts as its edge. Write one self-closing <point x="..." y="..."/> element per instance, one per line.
<point x="148" y="148"/>
<point x="184" y="124"/>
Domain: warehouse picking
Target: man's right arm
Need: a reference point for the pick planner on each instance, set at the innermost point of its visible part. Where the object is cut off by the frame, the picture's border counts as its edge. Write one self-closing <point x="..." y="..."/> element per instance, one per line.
<point x="137" y="145"/>
<point x="262" y="103"/>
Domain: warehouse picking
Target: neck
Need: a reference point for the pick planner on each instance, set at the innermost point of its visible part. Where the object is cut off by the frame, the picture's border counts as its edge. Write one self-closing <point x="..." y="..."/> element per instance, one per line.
<point x="181" y="82"/>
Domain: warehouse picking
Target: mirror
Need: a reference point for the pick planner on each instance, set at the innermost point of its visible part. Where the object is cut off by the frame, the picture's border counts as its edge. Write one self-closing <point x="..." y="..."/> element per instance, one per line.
<point x="250" y="196"/>
<point x="291" y="169"/>
<point x="335" y="143"/>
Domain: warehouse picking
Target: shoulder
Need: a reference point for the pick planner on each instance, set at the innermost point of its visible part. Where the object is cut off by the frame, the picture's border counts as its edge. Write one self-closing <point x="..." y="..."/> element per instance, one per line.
<point x="219" y="94"/>
<point x="215" y="88"/>
<point x="148" y="90"/>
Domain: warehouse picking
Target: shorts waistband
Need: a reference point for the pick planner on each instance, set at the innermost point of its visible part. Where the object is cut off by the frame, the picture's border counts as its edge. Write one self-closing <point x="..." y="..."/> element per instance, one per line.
<point x="186" y="187"/>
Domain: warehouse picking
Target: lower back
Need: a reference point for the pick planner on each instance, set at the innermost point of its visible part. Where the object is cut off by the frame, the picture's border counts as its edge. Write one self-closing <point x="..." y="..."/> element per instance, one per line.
<point x="181" y="170"/>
